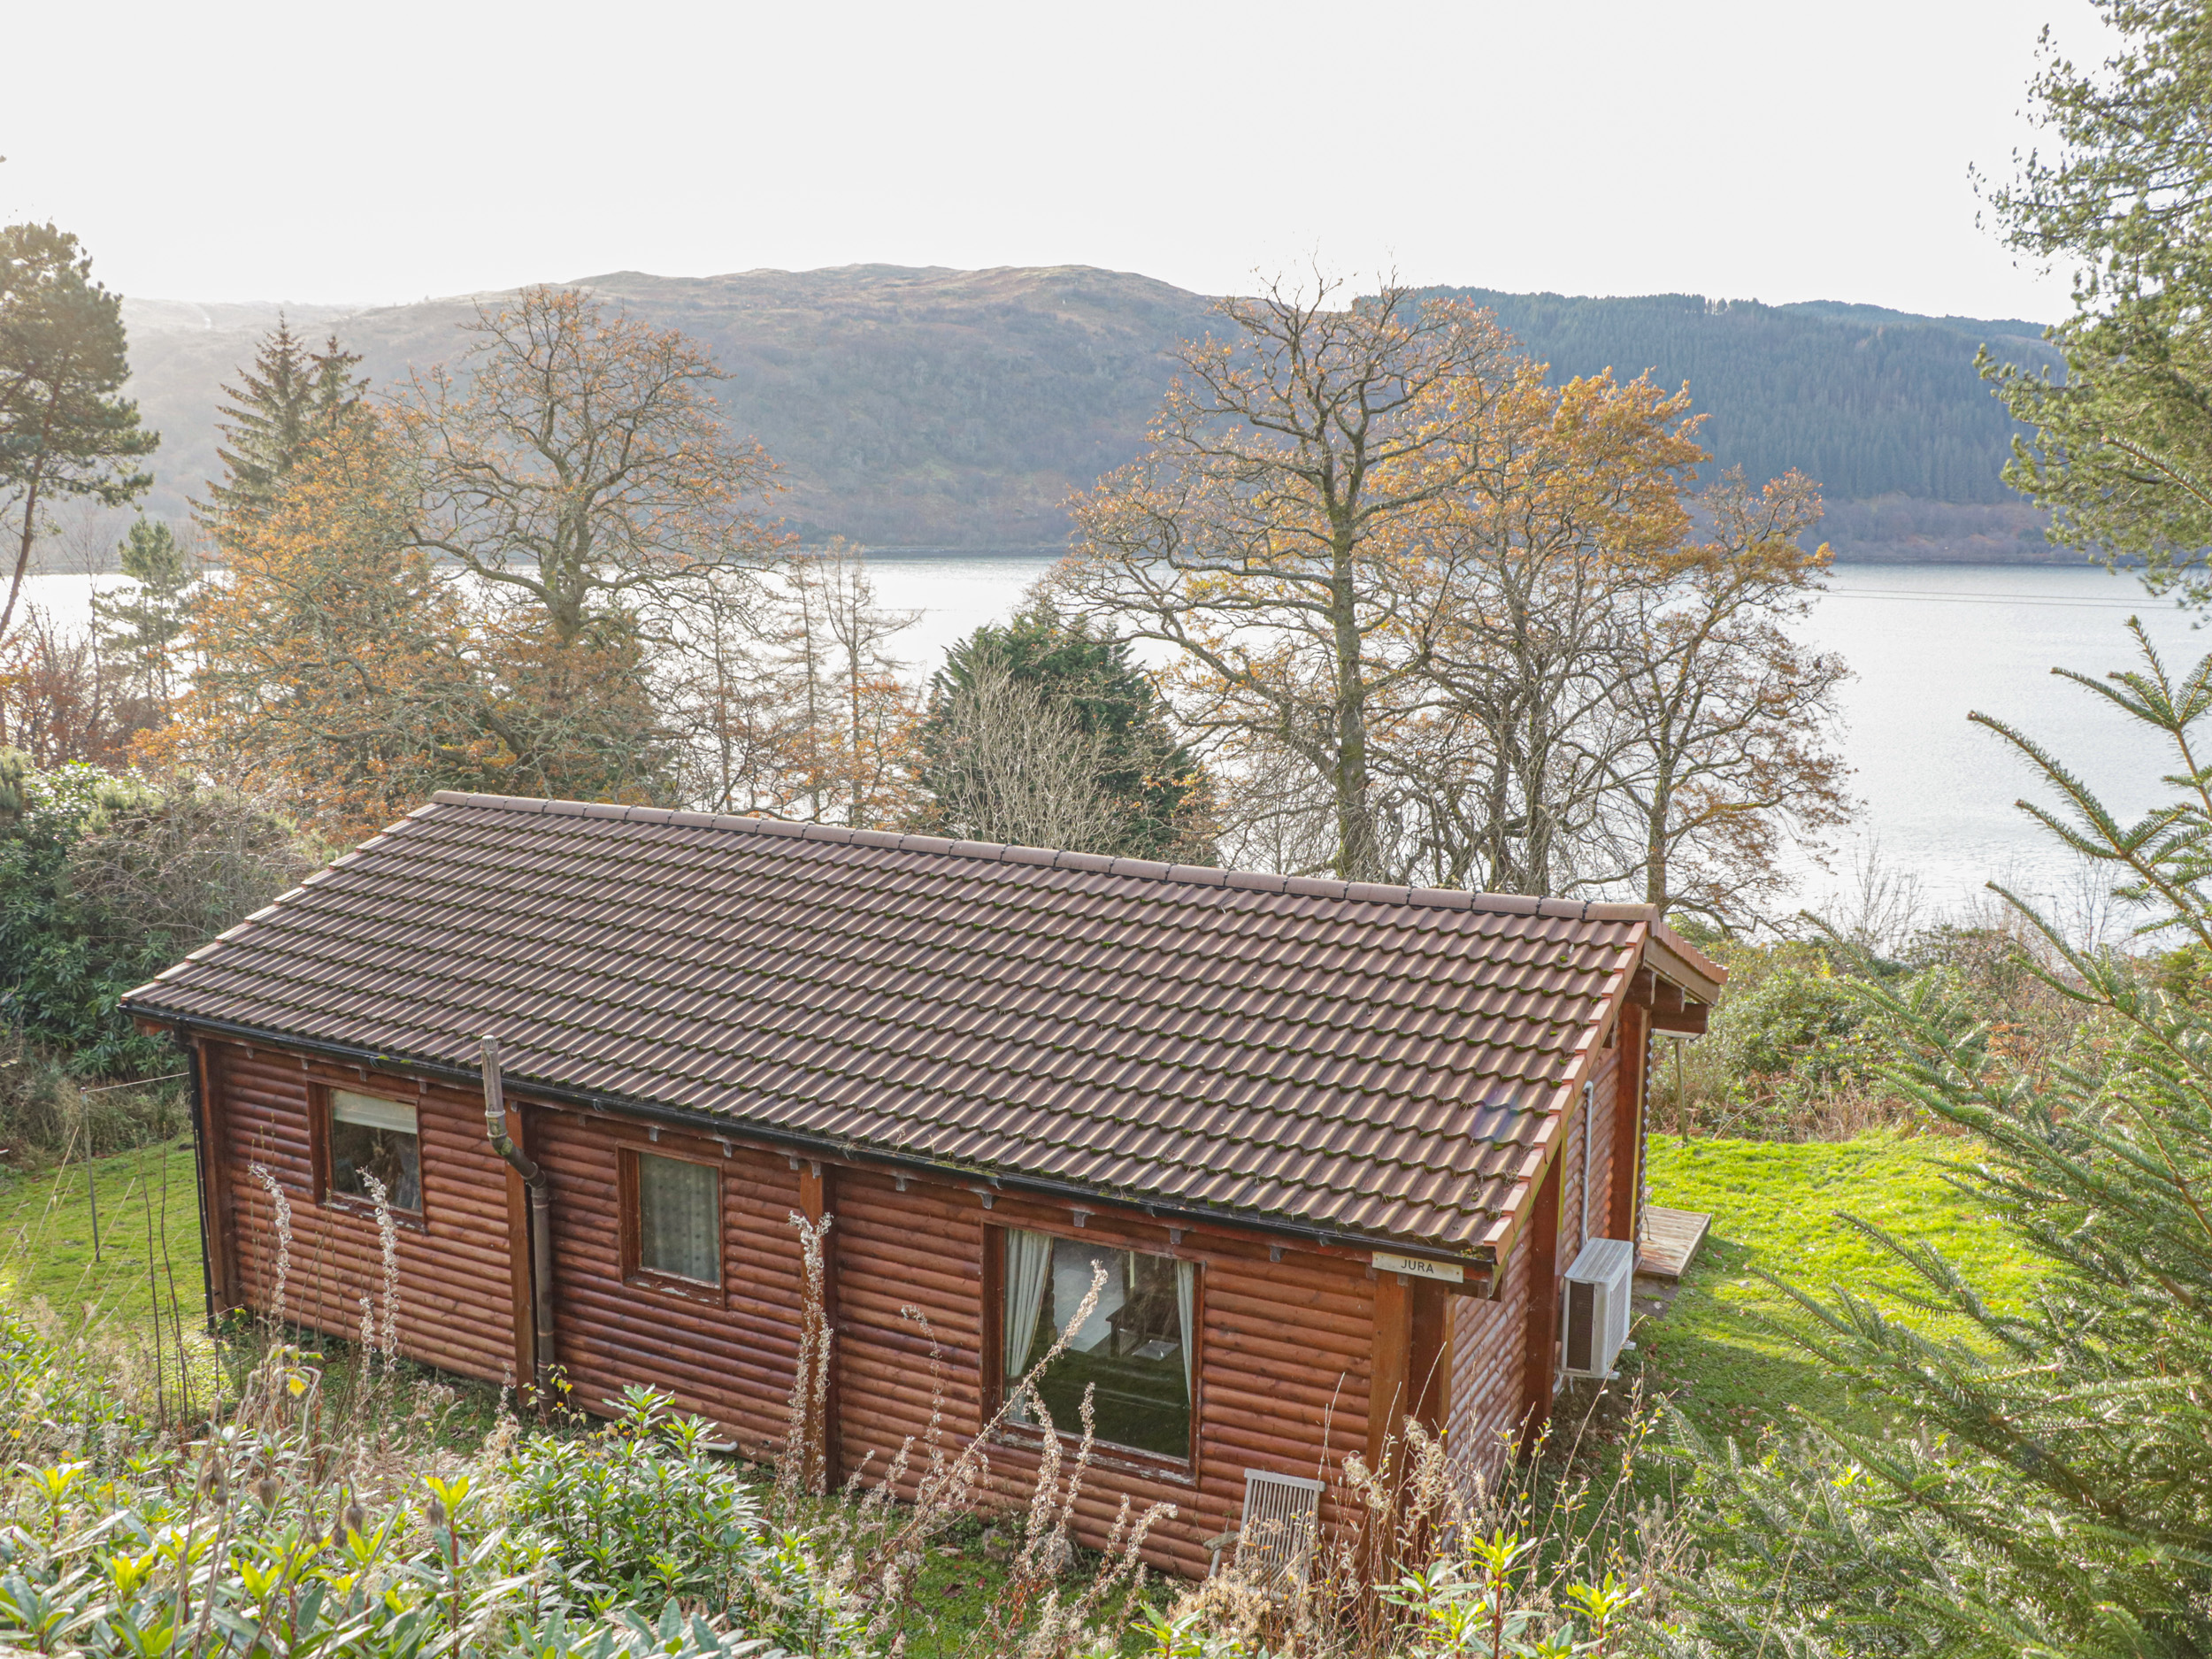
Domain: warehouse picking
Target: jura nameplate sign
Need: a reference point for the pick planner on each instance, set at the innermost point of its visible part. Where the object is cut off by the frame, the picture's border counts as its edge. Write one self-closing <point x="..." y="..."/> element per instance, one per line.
<point x="1414" y="1267"/>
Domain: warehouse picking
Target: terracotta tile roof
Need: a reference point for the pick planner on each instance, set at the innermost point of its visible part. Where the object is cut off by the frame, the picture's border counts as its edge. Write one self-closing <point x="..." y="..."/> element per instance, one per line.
<point x="1369" y="1059"/>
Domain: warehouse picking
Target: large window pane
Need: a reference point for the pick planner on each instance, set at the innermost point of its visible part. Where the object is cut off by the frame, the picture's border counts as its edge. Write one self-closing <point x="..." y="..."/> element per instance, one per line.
<point x="373" y="1136"/>
<point x="1129" y="1350"/>
<point x="680" y="1218"/>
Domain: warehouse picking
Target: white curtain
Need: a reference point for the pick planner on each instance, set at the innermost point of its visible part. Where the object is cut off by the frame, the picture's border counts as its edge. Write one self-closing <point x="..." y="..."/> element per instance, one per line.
<point x="1029" y="1270"/>
<point x="1186" y="1288"/>
<point x="679" y="1217"/>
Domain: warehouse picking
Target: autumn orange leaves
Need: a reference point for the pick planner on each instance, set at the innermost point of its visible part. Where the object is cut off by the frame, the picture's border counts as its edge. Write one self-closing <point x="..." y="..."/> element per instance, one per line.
<point x="497" y="579"/>
<point x="1418" y="597"/>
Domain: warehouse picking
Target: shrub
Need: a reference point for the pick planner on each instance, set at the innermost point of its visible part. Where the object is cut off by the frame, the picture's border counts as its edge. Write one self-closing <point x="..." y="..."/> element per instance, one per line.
<point x="1782" y="1050"/>
<point x="643" y="1509"/>
<point x="105" y="880"/>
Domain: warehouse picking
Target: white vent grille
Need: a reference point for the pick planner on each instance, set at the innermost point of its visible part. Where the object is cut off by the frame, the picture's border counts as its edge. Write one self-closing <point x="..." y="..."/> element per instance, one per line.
<point x="1597" y="1292"/>
<point x="1282" y="1513"/>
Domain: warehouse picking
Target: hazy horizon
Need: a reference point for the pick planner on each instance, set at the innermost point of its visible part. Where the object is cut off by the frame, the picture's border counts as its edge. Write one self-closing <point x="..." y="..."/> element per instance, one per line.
<point x="1720" y="146"/>
<point x="345" y="306"/>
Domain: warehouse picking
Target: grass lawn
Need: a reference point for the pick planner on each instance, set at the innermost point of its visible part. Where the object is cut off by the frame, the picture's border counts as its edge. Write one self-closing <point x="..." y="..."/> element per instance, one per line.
<point x="146" y="1198"/>
<point x="1774" y="1206"/>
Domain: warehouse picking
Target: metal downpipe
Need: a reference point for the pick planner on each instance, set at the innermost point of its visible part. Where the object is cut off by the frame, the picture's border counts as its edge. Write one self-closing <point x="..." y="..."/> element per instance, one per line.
<point x="541" y="1223"/>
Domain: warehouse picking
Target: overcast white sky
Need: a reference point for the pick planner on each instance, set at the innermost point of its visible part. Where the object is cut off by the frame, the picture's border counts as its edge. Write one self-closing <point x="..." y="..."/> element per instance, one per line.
<point x="1763" y="149"/>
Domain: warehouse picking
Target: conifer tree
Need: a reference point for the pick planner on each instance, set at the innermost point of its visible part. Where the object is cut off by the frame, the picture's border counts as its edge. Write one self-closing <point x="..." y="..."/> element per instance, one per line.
<point x="288" y="397"/>
<point x="2050" y="1491"/>
<point x="142" y="629"/>
<point x="2123" y="445"/>
<point x="64" y="430"/>
<point x="1155" y="800"/>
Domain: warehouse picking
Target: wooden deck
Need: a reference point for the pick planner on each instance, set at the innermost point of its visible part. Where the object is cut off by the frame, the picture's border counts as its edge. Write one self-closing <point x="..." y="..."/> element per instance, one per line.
<point x="1670" y="1240"/>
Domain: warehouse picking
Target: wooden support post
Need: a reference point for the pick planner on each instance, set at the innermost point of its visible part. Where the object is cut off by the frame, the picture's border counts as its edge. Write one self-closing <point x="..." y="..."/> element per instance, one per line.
<point x="1541" y="1357"/>
<point x="1429" y="1379"/>
<point x="1390" y="1378"/>
<point x="1392" y="1363"/>
<point x="218" y="1224"/>
<point x="816" y="1201"/>
<point x="1631" y="1087"/>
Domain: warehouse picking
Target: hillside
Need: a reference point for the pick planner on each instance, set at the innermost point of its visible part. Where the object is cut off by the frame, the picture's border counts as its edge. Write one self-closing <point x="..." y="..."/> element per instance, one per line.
<point x="1883" y="407"/>
<point x="917" y="408"/>
<point x="958" y="409"/>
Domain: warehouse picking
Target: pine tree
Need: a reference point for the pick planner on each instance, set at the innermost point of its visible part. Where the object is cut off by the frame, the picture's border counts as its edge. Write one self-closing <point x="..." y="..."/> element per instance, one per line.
<point x="289" y="396"/>
<point x="2052" y="1492"/>
<point x="142" y="628"/>
<point x="64" y="430"/>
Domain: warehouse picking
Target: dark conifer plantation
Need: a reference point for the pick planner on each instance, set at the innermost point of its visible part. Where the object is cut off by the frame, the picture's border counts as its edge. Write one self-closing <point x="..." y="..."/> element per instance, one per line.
<point x="286" y="397"/>
<point x="1868" y="402"/>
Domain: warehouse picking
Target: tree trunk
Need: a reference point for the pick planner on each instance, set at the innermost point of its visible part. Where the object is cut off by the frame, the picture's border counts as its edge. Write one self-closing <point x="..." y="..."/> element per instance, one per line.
<point x="1354" y="834"/>
<point x="23" y="552"/>
<point x="30" y="516"/>
<point x="1655" y="871"/>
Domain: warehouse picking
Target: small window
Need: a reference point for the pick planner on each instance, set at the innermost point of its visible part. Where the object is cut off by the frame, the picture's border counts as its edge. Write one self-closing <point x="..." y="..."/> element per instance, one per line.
<point x="679" y="1218"/>
<point x="1133" y="1350"/>
<point x="372" y="1137"/>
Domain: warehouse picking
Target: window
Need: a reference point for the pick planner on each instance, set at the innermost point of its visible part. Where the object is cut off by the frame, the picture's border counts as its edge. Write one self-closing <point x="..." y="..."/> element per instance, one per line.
<point x="1133" y="1348"/>
<point x="679" y="1218"/>
<point x="372" y="1137"/>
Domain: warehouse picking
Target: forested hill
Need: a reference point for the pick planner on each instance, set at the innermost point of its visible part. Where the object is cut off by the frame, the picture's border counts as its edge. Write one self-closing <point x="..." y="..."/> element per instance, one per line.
<point x="907" y="407"/>
<point x="958" y="408"/>
<point x="1868" y="401"/>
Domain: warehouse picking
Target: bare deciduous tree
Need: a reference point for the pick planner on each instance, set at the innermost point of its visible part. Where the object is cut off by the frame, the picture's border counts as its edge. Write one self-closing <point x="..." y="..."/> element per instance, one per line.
<point x="794" y="705"/>
<point x="580" y="465"/>
<point x="1529" y="577"/>
<point x="1725" y="716"/>
<point x="1287" y="474"/>
<point x="61" y="699"/>
<point x="1016" y="767"/>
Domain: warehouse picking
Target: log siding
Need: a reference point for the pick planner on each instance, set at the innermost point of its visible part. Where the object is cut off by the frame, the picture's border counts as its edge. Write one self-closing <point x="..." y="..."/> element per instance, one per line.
<point x="455" y="1305"/>
<point x="1489" y="1336"/>
<point x="730" y="1355"/>
<point x="1286" y="1343"/>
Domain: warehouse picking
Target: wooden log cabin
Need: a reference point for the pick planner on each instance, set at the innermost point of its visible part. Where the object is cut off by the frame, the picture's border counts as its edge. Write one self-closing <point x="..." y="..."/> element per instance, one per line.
<point x="1334" y="1146"/>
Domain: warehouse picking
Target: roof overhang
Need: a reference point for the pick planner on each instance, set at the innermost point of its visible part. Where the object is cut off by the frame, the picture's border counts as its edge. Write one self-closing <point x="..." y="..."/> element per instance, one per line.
<point x="1676" y="985"/>
<point x="1479" y="1259"/>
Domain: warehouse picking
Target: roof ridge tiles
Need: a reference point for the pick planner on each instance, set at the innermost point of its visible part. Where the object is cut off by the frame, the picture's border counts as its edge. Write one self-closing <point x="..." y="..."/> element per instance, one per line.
<point x="1133" y="869"/>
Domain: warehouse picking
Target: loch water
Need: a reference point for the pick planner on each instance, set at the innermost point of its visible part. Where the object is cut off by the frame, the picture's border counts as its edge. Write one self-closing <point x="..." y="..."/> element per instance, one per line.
<point x="1926" y="645"/>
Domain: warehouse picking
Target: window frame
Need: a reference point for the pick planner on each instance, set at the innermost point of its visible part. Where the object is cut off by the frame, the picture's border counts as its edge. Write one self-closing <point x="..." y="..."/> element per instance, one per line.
<point x="323" y="1119"/>
<point x="1110" y="1454"/>
<point x="629" y="1206"/>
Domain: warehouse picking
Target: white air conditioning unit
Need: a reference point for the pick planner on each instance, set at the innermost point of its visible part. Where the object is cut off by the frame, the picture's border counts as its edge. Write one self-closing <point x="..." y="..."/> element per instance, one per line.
<point x="1597" y="1292"/>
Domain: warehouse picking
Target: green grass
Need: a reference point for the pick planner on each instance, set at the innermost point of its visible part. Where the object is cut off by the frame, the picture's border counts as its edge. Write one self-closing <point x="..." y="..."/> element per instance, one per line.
<point x="149" y="1195"/>
<point x="1774" y="1206"/>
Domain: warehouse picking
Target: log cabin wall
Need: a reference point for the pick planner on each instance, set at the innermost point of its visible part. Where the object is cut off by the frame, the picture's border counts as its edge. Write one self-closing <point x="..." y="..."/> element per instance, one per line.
<point x="1487" y="1335"/>
<point x="455" y="1302"/>
<point x="1487" y="1342"/>
<point x="731" y="1356"/>
<point x="1283" y="1354"/>
<point x="1604" y="1107"/>
<point x="1285" y="1345"/>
